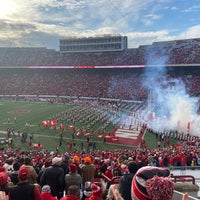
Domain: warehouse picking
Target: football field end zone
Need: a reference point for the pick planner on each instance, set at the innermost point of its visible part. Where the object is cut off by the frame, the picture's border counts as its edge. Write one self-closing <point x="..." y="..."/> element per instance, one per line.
<point x="127" y="133"/>
<point x="126" y="137"/>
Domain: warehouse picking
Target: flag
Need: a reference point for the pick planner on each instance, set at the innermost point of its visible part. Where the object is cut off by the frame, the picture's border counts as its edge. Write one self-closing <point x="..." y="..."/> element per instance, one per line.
<point x="53" y="122"/>
<point x="45" y="123"/>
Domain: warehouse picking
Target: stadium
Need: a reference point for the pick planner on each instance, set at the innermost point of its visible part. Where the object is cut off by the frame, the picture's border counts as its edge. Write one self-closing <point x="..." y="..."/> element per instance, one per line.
<point x="148" y="80"/>
<point x="96" y="94"/>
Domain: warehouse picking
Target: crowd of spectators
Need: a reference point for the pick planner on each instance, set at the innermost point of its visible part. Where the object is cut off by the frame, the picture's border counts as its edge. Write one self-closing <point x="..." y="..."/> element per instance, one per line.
<point x="126" y="84"/>
<point x="158" y="53"/>
<point x="50" y="169"/>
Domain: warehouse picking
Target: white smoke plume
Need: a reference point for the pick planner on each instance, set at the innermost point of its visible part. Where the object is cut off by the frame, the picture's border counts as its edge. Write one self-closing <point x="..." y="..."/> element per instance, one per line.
<point x="169" y="105"/>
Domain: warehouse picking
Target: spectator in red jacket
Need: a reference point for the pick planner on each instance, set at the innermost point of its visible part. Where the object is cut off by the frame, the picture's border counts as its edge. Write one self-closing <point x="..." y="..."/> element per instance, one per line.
<point x="109" y="172"/>
<point x="96" y="192"/>
<point x="46" y="193"/>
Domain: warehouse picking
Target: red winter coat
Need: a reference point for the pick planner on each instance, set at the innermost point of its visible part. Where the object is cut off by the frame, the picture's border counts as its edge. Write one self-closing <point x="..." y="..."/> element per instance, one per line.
<point x="93" y="198"/>
<point x="70" y="197"/>
<point x="47" y="196"/>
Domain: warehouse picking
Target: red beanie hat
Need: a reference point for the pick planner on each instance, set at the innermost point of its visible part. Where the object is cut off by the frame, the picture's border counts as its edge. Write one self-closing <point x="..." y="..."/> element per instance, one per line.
<point x="160" y="188"/>
<point x="152" y="183"/>
<point x="3" y="178"/>
<point x="72" y="168"/>
<point x="23" y="174"/>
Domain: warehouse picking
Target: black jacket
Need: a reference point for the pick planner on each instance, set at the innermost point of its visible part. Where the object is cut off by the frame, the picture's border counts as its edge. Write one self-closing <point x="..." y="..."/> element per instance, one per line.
<point x="54" y="177"/>
<point x="22" y="191"/>
<point x="125" y="186"/>
<point x="14" y="177"/>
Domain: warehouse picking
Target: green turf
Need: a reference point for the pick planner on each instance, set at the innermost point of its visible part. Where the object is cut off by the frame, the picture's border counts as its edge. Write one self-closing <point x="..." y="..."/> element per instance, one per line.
<point x="34" y="113"/>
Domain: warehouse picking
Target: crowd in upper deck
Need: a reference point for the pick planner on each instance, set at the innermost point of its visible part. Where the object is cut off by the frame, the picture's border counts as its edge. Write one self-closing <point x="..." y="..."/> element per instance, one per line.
<point x="158" y="53"/>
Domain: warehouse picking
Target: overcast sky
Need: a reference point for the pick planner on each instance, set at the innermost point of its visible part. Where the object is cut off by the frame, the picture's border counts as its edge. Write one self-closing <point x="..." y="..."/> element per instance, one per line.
<point x="43" y="22"/>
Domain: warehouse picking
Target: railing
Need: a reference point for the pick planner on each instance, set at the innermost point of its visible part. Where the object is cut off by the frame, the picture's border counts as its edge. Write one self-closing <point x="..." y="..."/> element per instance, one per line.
<point x="182" y="168"/>
<point x="183" y="178"/>
<point x="175" y="179"/>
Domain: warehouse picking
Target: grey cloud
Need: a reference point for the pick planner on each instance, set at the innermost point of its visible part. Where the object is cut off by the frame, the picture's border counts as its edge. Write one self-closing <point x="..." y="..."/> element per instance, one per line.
<point x="19" y="27"/>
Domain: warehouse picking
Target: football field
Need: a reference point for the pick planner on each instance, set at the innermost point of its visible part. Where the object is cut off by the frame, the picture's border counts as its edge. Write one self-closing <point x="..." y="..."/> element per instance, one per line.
<point x="28" y="118"/>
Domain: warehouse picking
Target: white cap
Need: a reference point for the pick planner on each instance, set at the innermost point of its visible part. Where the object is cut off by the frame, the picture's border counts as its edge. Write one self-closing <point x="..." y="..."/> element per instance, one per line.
<point x="56" y="160"/>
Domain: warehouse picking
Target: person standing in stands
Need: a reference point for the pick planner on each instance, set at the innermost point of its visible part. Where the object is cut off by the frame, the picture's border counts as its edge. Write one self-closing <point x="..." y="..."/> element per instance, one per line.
<point x="76" y="161"/>
<point x="32" y="173"/>
<point x="14" y="175"/>
<point x="8" y="165"/>
<point x="65" y="163"/>
<point x="73" y="178"/>
<point x="54" y="177"/>
<point x="126" y="181"/>
<point x="24" y="190"/>
<point x="88" y="170"/>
